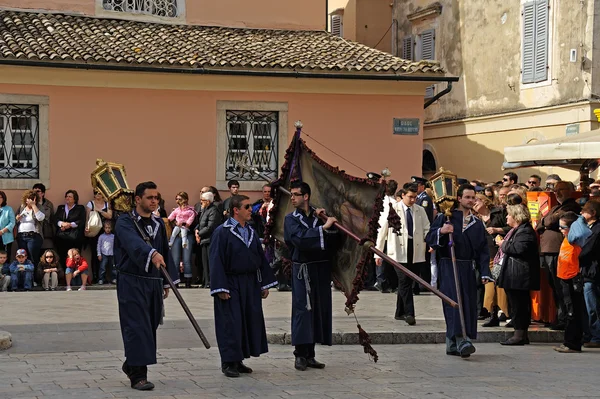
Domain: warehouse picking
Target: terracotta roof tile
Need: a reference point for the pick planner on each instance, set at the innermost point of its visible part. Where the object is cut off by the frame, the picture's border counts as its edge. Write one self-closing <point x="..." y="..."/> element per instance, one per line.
<point x="85" y="40"/>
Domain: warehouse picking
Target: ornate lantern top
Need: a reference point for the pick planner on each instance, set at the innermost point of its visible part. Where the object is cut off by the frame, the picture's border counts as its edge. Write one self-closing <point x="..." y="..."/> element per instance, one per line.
<point x="110" y="179"/>
<point x="444" y="185"/>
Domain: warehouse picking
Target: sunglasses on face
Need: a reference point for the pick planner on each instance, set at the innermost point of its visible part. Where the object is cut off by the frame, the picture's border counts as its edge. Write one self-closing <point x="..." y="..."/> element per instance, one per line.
<point x="531" y="182"/>
<point x="504" y="179"/>
<point x="49" y="256"/>
<point x="563" y="227"/>
<point x="247" y="206"/>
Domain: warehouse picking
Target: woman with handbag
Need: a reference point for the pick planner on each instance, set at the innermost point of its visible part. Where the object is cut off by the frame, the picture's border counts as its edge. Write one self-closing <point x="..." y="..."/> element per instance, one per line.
<point x="520" y="270"/>
<point x="7" y="224"/>
<point x="70" y="222"/>
<point x="97" y="211"/>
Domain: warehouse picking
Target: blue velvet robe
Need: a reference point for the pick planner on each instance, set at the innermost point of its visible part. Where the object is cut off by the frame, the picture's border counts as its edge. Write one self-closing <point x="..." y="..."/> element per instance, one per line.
<point x="243" y="272"/>
<point x="471" y="251"/>
<point x="314" y="247"/>
<point x="140" y="286"/>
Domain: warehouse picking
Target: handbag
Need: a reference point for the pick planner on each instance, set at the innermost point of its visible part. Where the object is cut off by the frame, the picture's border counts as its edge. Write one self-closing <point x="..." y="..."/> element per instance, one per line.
<point x="495" y="270"/>
<point x="93" y="225"/>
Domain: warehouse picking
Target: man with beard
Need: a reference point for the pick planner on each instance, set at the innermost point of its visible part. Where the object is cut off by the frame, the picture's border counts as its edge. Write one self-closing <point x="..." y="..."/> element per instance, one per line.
<point x="311" y="243"/>
<point x="141" y="248"/>
<point x="471" y="249"/>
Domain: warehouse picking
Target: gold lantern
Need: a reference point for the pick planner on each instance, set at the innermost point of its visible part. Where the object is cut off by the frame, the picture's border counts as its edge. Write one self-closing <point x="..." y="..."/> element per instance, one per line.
<point x="444" y="185"/>
<point x="110" y="179"/>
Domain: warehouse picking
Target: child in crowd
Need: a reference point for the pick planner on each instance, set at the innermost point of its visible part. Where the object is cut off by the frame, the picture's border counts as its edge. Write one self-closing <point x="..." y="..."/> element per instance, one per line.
<point x="4" y="272"/>
<point x="21" y="272"/>
<point x="50" y="270"/>
<point x="76" y="266"/>
<point x="105" y="253"/>
<point x="572" y="286"/>
<point x="184" y="217"/>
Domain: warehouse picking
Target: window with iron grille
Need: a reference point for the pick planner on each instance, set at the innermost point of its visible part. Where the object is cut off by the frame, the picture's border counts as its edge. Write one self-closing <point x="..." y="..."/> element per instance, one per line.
<point x="252" y="140"/>
<point x="161" y="8"/>
<point x="19" y="141"/>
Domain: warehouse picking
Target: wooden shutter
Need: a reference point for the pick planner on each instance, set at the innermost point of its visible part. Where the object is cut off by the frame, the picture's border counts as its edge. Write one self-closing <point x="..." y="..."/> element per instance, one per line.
<point x="428" y="45"/>
<point x="336" y="25"/>
<point x="408" y="45"/>
<point x="528" y="42"/>
<point x="540" y="72"/>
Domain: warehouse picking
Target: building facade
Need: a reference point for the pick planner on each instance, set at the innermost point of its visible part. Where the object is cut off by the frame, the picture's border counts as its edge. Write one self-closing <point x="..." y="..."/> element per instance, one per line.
<point x="181" y="95"/>
<point x="526" y="71"/>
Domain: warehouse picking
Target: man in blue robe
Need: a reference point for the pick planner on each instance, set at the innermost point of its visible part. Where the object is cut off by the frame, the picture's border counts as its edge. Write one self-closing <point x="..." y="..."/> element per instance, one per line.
<point x="240" y="278"/>
<point x="312" y="247"/>
<point x="470" y="245"/>
<point x="141" y="287"/>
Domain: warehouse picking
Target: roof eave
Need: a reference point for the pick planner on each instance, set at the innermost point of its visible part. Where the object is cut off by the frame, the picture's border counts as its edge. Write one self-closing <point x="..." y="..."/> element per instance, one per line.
<point x="389" y="76"/>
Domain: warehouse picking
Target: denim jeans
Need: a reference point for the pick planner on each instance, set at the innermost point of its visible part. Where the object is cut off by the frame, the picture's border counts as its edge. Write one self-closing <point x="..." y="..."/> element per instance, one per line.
<point x="25" y="276"/>
<point x="32" y="244"/>
<point x="591" y="293"/>
<point x="177" y="252"/>
<point x="107" y="260"/>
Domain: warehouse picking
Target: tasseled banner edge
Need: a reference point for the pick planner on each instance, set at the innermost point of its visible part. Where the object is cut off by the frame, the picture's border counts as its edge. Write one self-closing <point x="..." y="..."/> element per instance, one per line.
<point x="365" y="341"/>
<point x="394" y="220"/>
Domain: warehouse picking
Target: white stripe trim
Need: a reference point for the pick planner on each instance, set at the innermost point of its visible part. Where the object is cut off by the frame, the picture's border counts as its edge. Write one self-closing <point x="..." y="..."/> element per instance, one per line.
<point x="438" y="237"/>
<point x="322" y="239"/>
<point x="149" y="259"/>
<point x="219" y="290"/>
<point x="269" y="286"/>
<point x="174" y="282"/>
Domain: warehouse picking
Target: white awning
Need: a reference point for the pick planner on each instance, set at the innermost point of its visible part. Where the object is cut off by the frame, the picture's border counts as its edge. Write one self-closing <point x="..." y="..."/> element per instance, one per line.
<point x="569" y="152"/>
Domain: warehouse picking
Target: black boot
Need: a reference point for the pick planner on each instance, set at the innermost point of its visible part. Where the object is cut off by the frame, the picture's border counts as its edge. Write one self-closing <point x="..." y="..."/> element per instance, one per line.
<point x="494" y="321"/>
<point x="518" y="339"/>
<point x="188" y="282"/>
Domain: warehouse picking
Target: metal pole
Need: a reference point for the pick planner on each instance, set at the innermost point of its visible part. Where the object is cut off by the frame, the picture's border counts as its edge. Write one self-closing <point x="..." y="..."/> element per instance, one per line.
<point x="457" y="284"/>
<point x="185" y="307"/>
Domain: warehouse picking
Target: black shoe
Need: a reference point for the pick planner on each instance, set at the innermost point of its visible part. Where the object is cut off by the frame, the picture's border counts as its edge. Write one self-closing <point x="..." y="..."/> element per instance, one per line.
<point x="301" y="363"/>
<point x="284" y="288"/>
<point x="493" y="322"/>
<point x="502" y="317"/>
<point x="230" y="370"/>
<point x="509" y="324"/>
<point x="410" y="320"/>
<point x="453" y="353"/>
<point x="242" y="368"/>
<point x="313" y="364"/>
<point x="466" y="350"/>
<point x="558" y="327"/>
<point x="399" y="317"/>
<point x="416" y="292"/>
<point x="513" y="342"/>
<point x="143" y="385"/>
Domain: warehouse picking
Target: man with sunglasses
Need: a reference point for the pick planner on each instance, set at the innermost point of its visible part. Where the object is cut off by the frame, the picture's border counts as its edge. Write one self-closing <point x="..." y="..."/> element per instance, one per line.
<point x="240" y="278"/>
<point x="140" y="249"/>
<point x="509" y="179"/>
<point x="312" y="244"/>
<point x="534" y="181"/>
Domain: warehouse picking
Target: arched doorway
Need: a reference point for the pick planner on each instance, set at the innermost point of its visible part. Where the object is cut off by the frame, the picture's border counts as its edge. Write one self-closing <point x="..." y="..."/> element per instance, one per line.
<point x="429" y="166"/>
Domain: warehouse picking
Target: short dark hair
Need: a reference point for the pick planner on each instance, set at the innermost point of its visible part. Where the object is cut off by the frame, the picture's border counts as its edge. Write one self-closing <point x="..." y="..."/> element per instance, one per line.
<point x="236" y="202"/>
<point x="3" y="195"/>
<point x="463" y="187"/>
<point x="553" y="177"/>
<point x="215" y="192"/>
<point x="3" y="252"/>
<point x="39" y="186"/>
<point x="391" y="187"/>
<point x="304" y="187"/>
<point x="75" y="195"/>
<point x="400" y="193"/>
<point x="512" y="176"/>
<point x="233" y="183"/>
<point x="266" y="185"/>
<point x="536" y="177"/>
<point x="514" y="199"/>
<point x="141" y="188"/>
<point x="569" y="218"/>
<point x="413" y="188"/>
<point x="592" y="206"/>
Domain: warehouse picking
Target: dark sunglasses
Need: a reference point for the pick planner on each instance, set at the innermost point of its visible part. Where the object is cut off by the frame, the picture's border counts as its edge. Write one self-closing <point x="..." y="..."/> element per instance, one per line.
<point x="247" y="206"/>
<point x="49" y="256"/>
<point x="504" y="179"/>
<point x="563" y="227"/>
<point x="531" y="182"/>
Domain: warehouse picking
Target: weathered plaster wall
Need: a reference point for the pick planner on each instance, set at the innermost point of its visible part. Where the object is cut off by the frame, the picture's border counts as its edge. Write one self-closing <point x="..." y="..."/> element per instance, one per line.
<point x="373" y="18"/>
<point x="350" y="13"/>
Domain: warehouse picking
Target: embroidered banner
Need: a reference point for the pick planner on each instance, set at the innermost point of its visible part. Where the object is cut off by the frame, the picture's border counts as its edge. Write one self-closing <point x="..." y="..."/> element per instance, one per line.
<point x="355" y="202"/>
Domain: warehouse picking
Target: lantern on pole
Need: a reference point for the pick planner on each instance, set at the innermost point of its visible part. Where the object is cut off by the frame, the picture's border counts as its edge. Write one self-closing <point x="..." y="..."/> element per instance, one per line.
<point x="445" y="187"/>
<point x="110" y="179"/>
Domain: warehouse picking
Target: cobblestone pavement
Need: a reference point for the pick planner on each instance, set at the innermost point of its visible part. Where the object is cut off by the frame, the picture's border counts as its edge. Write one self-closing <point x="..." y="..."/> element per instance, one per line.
<point x="68" y="345"/>
<point x="403" y="371"/>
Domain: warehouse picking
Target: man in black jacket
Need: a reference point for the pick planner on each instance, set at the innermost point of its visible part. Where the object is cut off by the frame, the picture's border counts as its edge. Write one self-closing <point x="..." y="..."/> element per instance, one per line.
<point x="208" y="221"/>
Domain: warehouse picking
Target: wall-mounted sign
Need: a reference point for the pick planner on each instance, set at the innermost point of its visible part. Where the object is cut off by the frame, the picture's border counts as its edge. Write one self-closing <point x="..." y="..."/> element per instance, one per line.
<point x="407" y="126"/>
<point x="572" y="129"/>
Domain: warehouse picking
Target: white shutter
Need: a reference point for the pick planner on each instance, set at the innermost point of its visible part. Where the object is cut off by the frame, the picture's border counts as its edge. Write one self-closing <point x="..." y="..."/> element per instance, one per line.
<point x="408" y="45"/>
<point x="427" y="52"/>
<point x="336" y="25"/>
<point x="528" y="42"/>
<point x="541" y="41"/>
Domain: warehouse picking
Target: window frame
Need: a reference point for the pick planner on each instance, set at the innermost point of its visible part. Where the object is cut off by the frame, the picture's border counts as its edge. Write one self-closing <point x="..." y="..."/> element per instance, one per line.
<point x="43" y="161"/>
<point x="549" y="47"/>
<point x="222" y="145"/>
<point x="143" y="17"/>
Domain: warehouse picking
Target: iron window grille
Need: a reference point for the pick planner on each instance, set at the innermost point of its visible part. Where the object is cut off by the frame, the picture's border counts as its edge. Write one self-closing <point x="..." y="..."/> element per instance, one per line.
<point x="19" y="141"/>
<point x="252" y="139"/>
<point x="161" y="8"/>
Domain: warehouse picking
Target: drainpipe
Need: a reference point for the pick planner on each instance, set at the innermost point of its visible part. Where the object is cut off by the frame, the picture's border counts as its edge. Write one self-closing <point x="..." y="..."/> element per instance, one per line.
<point x="439" y="95"/>
<point x="326" y="15"/>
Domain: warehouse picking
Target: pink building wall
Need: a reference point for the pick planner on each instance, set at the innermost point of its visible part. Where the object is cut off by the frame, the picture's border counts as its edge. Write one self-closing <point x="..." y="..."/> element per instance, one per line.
<point x="276" y="14"/>
<point x="170" y="137"/>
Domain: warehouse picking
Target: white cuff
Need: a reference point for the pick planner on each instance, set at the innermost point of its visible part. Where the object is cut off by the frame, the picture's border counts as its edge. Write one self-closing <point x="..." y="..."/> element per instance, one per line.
<point x="269" y="286"/>
<point x="322" y="239"/>
<point x="219" y="290"/>
<point x="149" y="259"/>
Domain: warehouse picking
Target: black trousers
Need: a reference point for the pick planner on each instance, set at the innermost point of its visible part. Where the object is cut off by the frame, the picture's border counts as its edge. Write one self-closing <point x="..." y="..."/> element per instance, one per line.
<point x="306" y="351"/>
<point x="205" y="248"/>
<point x="405" y="305"/>
<point x="136" y="373"/>
<point x="551" y="262"/>
<point x="576" y="312"/>
<point x="424" y="272"/>
<point x="520" y="310"/>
